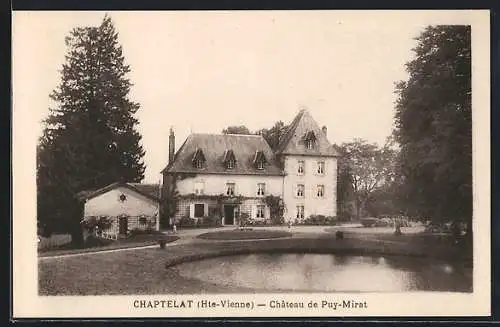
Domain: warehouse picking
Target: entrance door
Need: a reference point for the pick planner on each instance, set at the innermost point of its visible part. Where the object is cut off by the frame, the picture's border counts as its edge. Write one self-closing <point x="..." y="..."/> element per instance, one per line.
<point x="229" y="214"/>
<point x="123" y="226"/>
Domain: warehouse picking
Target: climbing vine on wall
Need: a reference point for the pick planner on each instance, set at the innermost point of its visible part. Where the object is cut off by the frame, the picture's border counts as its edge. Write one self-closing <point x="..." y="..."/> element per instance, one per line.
<point x="171" y="196"/>
<point x="275" y="204"/>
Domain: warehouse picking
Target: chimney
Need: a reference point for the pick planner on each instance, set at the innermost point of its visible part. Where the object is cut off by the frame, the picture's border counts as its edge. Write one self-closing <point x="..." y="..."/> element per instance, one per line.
<point x="324" y="129"/>
<point x="171" y="145"/>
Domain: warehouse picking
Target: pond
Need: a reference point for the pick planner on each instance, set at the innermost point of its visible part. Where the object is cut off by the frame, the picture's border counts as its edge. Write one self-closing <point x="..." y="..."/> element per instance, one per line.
<point x="330" y="273"/>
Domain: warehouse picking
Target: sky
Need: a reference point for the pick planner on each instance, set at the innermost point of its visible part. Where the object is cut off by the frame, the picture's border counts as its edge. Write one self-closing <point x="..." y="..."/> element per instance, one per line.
<point x="203" y="71"/>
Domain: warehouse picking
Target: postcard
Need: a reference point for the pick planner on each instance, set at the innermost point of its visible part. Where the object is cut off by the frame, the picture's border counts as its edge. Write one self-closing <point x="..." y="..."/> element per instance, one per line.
<point x="323" y="163"/>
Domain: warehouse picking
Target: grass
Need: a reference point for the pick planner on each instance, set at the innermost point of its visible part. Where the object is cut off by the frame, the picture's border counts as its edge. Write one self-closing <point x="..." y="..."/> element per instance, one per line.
<point x="244" y="234"/>
<point x="105" y="244"/>
<point x="144" y="271"/>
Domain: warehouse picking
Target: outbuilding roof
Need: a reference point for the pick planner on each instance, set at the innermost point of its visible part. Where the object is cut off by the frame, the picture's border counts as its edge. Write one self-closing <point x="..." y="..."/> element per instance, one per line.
<point x="151" y="191"/>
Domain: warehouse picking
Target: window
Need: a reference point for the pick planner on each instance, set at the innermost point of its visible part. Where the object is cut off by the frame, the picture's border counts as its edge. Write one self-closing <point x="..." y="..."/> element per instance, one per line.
<point x="300" y="212"/>
<point x="199" y="188"/>
<point x="321" y="167"/>
<point x="320" y="192"/>
<point x="261" y="209"/>
<point x="199" y="210"/>
<point x="229" y="159"/>
<point x="230" y="189"/>
<point x="261" y="189"/>
<point x="300" y="190"/>
<point x="259" y="160"/>
<point x="198" y="159"/>
<point x="143" y="220"/>
<point x="300" y="168"/>
<point x="310" y="139"/>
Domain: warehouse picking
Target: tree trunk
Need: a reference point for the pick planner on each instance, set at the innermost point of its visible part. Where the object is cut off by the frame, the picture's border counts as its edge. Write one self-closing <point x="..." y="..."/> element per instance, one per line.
<point x="76" y="229"/>
<point x="77" y="235"/>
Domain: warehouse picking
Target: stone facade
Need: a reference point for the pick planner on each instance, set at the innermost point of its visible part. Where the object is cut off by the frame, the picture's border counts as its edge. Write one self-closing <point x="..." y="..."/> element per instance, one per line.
<point x="312" y="202"/>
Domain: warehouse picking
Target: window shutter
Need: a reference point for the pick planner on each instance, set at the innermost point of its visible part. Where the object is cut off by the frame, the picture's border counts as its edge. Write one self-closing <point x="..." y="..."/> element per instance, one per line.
<point x="191" y="210"/>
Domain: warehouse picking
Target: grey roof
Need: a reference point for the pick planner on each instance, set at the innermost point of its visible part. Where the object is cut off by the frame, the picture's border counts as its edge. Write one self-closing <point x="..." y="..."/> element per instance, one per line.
<point x="214" y="148"/>
<point x="151" y="191"/>
<point x="293" y="141"/>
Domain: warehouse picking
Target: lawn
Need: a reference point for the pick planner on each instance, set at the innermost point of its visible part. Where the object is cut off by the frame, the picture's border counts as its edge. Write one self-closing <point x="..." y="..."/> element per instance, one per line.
<point x="99" y="244"/>
<point x="153" y="271"/>
<point x="244" y="234"/>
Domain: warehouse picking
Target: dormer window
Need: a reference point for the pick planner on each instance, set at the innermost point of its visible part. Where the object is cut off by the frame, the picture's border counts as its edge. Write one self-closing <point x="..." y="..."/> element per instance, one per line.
<point x="229" y="159"/>
<point x="310" y="144"/>
<point x="259" y="160"/>
<point x="310" y="140"/>
<point x="198" y="159"/>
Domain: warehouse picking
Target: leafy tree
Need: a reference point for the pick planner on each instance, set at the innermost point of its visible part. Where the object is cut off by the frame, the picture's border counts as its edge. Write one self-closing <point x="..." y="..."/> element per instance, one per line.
<point x="433" y="126"/>
<point x="273" y="135"/>
<point x="89" y="138"/>
<point x="345" y="191"/>
<point x="236" y="130"/>
<point x="367" y="167"/>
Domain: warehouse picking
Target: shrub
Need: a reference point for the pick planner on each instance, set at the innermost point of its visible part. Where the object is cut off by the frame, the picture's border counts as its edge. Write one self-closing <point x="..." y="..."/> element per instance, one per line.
<point x="369" y="222"/>
<point x="244" y="219"/>
<point x="43" y="230"/>
<point x="93" y="241"/>
<point x="320" y="220"/>
<point x="186" y="222"/>
<point x="258" y="222"/>
<point x="210" y="221"/>
<point x="277" y="220"/>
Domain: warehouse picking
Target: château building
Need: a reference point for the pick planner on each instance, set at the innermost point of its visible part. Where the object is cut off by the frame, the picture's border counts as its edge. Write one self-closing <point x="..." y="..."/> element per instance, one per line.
<point x="230" y="175"/>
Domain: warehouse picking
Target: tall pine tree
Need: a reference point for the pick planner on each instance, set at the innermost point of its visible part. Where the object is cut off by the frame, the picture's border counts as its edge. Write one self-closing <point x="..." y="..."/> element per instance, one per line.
<point x="89" y="139"/>
<point x="434" y="126"/>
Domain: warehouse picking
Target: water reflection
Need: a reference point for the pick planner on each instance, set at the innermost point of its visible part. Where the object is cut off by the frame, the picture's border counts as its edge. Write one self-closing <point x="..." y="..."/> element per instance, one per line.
<point x="322" y="272"/>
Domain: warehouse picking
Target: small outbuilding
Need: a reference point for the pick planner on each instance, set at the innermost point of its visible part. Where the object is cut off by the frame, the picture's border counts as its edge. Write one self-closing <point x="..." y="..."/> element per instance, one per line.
<point x="122" y="207"/>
